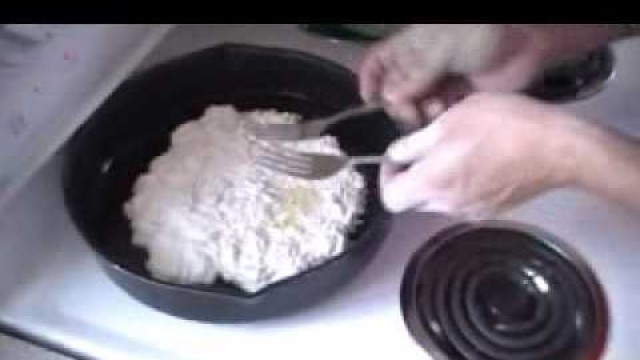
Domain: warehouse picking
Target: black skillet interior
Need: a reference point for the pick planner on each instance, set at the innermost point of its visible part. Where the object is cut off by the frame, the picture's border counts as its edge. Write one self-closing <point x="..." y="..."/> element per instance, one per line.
<point x="118" y="142"/>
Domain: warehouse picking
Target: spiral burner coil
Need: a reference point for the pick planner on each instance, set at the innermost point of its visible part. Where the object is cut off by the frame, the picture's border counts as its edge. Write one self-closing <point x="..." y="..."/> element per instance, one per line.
<point x="501" y="293"/>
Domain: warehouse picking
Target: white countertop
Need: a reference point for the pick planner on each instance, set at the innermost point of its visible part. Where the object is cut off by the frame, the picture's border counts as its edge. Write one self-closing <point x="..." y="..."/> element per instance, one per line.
<point x="53" y="288"/>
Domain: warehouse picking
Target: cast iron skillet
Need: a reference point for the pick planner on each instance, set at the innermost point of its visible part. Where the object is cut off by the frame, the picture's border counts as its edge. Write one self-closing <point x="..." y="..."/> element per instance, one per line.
<point x="118" y="142"/>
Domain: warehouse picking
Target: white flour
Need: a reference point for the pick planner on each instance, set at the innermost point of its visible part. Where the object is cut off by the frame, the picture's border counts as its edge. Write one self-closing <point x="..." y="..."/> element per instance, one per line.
<point x="204" y="209"/>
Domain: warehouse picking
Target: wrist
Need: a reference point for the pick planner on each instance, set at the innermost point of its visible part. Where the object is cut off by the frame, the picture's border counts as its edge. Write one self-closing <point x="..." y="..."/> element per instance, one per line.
<point x="606" y="163"/>
<point x="579" y="150"/>
<point x="569" y="151"/>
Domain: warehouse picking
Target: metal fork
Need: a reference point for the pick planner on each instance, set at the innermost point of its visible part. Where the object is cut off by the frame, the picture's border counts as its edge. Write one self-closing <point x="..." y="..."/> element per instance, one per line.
<point x="308" y="129"/>
<point x="311" y="166"/>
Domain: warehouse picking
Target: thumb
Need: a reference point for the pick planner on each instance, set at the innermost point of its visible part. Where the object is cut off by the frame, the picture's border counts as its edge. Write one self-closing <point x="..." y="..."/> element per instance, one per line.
<point x="410" y="148"/>
<point x="404" y="190"/>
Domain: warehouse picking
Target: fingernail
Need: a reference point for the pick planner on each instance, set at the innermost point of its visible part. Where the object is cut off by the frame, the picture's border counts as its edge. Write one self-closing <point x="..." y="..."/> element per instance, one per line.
<point x="366" y="96"/>
<point x="394" y="204"/>
<point x="390" y="96"/>
<point x="435" y="206"/>
<point x="397" y="151"/>
<point x="434" y="108"/>
<point x="395" y="198"/>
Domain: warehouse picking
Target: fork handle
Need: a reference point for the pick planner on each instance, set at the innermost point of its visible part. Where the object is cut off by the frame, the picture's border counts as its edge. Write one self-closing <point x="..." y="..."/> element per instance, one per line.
<point x="318" y="126"/>
<point x="367" y="160"/>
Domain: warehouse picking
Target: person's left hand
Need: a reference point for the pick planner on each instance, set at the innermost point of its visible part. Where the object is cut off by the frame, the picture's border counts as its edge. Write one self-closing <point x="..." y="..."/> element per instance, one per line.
<point x="482" y="156"/>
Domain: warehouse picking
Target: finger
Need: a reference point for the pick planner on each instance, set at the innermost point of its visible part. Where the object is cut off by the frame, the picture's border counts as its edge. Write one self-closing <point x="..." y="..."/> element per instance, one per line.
<point x="436" y="206"/>
<point x="388" y="170"/>
<point x="405" y="190"/>
<point x="446" y="93"/>
<point x="410" y="148"/>
<point x="371" y="73"/>
<point x="408" y="114"/>
<point x="479" y="213"/>
<point x="433" y="179"/>
<point x="410" y="88"/>
<point x="432" y="108"/>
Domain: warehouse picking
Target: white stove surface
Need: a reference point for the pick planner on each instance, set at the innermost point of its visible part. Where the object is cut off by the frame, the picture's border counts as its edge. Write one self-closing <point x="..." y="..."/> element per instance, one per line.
<point x="52" y="288"/>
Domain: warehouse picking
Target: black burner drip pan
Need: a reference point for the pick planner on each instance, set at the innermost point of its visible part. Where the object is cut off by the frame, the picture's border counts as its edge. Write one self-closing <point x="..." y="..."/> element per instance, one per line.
<point x="503" y="291"/>
<point x="576" y="79"/>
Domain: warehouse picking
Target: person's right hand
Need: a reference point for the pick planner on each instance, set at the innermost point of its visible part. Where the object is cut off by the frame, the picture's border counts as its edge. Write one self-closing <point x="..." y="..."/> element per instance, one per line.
<point x="485" y="155"/>
<point x="424" y="68"/>
<point x="492" y="151"/>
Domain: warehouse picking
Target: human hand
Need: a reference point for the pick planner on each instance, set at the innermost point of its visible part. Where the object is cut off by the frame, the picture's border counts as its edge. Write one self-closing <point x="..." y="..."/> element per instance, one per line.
<point x="482" y="156"/>
<point x="425" y="68"/>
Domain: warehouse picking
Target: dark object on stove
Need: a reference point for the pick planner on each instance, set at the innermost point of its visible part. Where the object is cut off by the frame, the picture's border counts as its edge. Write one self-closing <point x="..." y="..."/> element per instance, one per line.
<point x="575" y="79"/>
<point x="133" y="126"/>
<point x="360" y="33"/>
<point x="498" y="291"/>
